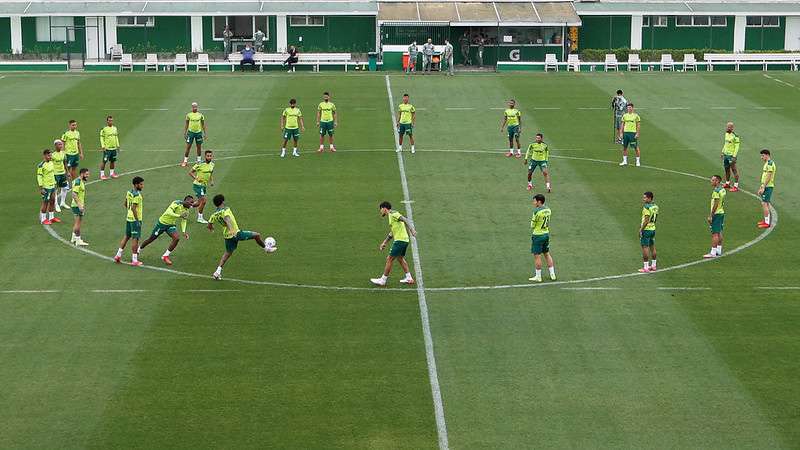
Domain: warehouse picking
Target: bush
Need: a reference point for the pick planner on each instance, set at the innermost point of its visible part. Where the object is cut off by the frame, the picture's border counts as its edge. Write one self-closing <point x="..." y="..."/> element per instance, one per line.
<point x="647" y="55"/>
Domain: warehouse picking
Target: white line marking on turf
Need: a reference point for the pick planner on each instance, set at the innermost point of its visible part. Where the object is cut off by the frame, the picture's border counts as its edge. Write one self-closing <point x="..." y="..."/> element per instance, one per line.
<point x="30" y="291"/>
<point x="592" y="108"/>
<point x="212" y="290"/>
<point x="459" y="108"/>
<point x="25" y="109"/>
<point x="497" y="109"/>
<point x="723" y="107"/>
<point x="675" y="108"/>
<point x="72" y="109"/>
<point x="779" y="81"/>
<point x="438" y="406"/>
<point x="677" y="288"/>
<point x="246" y="109"/>
<point x="546" y="107"/>
<point x="769" y="107"/>
<point x="117" y="291"/>
<point x="156" y="109"/>
<point x="591" y="288"/>
<point x="778" y="288"/>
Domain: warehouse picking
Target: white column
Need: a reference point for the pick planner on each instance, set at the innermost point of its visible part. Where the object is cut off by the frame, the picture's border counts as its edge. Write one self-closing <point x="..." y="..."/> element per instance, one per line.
<point x="111" y="32"/>
<point x="636" y="32"/>
<point x="792" y="37"/>
<point x="197" y="34"/>
<point x="16" y="35"/>
<point x="739" y="28"/>
<point x="281" y="35"/>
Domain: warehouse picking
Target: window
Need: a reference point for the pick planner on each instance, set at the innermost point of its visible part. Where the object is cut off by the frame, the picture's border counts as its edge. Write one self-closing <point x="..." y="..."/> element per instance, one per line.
<point x="659" y="21"/>
<point x="701" y="21"/>
<point x="646" y="21"/>
<point x="243" y="27"/>
<point x="770" y="21"/>
<point x="55" y="29"/>
<point x="719" y="21"/>
<point x="136" y="21"/>
<point x="683" y="21"/>
<point x="753" y="21"/>
<point x="307" y="21"/>
<point x="698" y="21"/>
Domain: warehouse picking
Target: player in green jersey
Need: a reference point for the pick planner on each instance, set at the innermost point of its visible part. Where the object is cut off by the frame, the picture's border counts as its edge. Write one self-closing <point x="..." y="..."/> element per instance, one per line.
<point x="767" y="186"/>
<point x="59" y="159"/>
<point x="729" y="152"/>
<point x="512" y="123"/>
<point x="78" y="205"/>
<point x="167" y="223"/>
<point x="194" y="130"/>
<point x="46" y="180"/>
<point x="540" y="238"/>
<point x="406" y="120"/>
<point x="109" y="145"/>
<point x="327" y="121"/>
<point x="399" y="229"/>
<point x="647" y="232"/>
<point x="201" y="174"/>
<point x="231" y="233"/>
<point x="133" y="221"/>
<point x="537" y="155"/>
<point x="716" y="217"/>
<point x="629" y="129"/>
<point x="73" y="147"/>
<point x="291" y="125"/>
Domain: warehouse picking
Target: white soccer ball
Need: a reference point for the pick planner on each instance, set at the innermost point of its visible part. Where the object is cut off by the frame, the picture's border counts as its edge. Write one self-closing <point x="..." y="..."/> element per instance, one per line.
<point x="269" y="242"/>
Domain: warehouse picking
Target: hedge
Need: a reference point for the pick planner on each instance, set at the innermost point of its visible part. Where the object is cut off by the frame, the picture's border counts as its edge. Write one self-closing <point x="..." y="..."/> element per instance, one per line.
<point x="653" y="55"/>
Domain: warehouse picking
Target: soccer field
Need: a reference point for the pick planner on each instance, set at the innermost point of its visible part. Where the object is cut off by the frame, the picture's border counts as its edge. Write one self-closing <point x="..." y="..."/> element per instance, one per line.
<point x="297" y="349"/>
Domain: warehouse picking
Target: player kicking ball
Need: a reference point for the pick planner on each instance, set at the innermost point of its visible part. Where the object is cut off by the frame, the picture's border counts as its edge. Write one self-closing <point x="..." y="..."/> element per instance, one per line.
<point x="232" y="234"/>
<point x="540" y="238"/>
<point x="400" y="228"/>
<point x="167" y="224"/>
<point x="538" y="155"/>
<point x="647" y="233"/>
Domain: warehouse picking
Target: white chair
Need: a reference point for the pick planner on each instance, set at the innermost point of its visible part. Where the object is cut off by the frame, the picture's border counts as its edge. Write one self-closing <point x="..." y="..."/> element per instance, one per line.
<point x="611" y="62"/>
<point x="666" y="62"/>
<point x="235" y="59"/>
<point x="180" y="62"/>
<point x="151" y="62"/>
<point x="573" y="63"/>
<point x="550" y="62"/>
<point x="202" y="62"/>
<point x="126" y="62"/>
<point x="689" y="62"/>
<point x="116" y="52"/>
<point x="634" y="62"/>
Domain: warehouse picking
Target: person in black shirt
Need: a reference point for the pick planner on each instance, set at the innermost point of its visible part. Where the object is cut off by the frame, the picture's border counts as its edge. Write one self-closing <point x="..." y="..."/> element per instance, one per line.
<point x="292" y="59"/>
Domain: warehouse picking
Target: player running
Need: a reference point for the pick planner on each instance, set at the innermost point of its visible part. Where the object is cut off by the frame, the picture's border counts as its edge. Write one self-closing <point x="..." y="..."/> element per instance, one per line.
<point x="619" y="105"/>
<point x="537" y="155"/>
<point x="201" y="174"/>
<point x="194" y="130"/>
<point x="512" y="123"/>
<point x="291" y="124"/>
<point x="167" y="223"/>
<point x="540" y="238"/>
<point x="231" y="233"/>
<point x="133" y="222"/>
<point x="729" y="152"/>
<point x="59" y="159"/>
<point x="109" y="145"/>
<point x="716" y="217"/>
<point x="45" y="178"/>
<point x="406" y="120"/>
<point x="629" y="129"/>
<point x="647" y="232"/>
<point x="767" y="185"/>
<point x="400" y="228"/>
<point x="327" y="121"/>
<point x="73" y="148"/>
<point x="78" y="206"/>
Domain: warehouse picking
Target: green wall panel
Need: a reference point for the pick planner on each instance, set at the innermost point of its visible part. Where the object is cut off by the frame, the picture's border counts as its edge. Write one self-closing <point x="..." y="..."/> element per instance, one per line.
<point x="347" y="34"/>
<point x="765" y="38"/>
<point x="674" y="37"/>
<point x="31" y="45"/>
<point x="212" y="46"/>
<point x="5" y="35"/>
<point x="170" y="34"/>
<point x="604" y="32"/>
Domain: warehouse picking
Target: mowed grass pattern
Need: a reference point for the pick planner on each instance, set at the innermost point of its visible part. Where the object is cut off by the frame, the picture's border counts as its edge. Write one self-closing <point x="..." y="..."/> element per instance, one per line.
<point x="184" y="362"/>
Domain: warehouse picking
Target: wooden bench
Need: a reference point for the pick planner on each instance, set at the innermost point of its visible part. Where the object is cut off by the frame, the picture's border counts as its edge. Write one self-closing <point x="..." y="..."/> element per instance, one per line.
<point x="762" y="59"/>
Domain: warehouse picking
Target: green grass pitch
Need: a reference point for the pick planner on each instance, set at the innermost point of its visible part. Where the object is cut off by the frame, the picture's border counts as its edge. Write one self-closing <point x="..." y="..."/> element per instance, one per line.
<point x="98" y="355"/>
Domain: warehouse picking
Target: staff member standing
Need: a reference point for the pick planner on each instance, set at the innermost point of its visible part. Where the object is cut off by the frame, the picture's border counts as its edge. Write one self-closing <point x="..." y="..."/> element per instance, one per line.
<point x="427" y="56"/>
<point x="227" y="34"/>
<point x="463" y="41"/>
<point x="447" y="56"/>
<point x="412" y="57"/>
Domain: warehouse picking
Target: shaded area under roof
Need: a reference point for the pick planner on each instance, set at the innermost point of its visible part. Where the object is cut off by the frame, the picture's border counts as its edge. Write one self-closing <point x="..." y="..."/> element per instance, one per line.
<point x="517" y="13"/>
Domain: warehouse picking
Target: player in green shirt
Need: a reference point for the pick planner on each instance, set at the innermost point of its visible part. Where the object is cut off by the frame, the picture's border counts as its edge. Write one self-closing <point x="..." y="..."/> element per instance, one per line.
<point x="729" y="152"/>
<point x="73" y="148"/>
<point x="59" y="159"/>
<point x="512" y="123"/>
<point x="767" y="186"/>
<point x="231" y="233"/>
<point x="133" y="221"/>
<point x="716" y="217"/>
<point x="406" y="120"/>
<point x="291" y="124"/>
<point x="79" y="205"/>
<point x="540" y="238"/>
<point x="46" y="180"/>
<point x="647" y="232"/>
<point x="194" y="130"/>
<point x="167" y="223"/>
<point x="399" y="229"/>
<point x="109" y="145"/>
<point x="537" y="155"/>
<point x="201" y="174"/>
<point x="327" y="121"/>
<point x="629" y="129"/>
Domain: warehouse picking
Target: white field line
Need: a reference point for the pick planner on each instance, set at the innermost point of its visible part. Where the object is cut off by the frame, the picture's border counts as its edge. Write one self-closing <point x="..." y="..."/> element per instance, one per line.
<point x="769" y="107"/>
<point x="25" y="109"/>
<point x="678" y="288"/>
<point x="591" y="108"/>
<point x="777" y="288"/>
<point x="117" y="291"/>
<point x="438" y="406"/>
<point x="723" y="107"/>
<point x="778" y="80"/>
<point x="30" y="291"/>
<point x="459" y="108"/>
<point x="546" y="108"/>
<point x="246" y="109"/>
<point x="155" y="109"/>
<point x="591" y="288"/>
<point x="72" y="109"/>
<point x="675" y="108"/>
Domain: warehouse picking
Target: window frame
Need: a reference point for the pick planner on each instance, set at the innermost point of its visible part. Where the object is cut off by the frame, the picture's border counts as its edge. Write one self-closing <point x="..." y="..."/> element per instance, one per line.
<point x="253" y="19"/>
<point x="307" y="21"/>
<point x="678" y="24"/>
<point x="645" y="21"/>
<point x="724" y="21"/>
<point x="69" y="29"/>
<point x="707" y="24"/>
<point x="776" y="25"/>
<point x="760" y="21"/>
<point x="150" y="22"/>
<point x="661" y="21"/>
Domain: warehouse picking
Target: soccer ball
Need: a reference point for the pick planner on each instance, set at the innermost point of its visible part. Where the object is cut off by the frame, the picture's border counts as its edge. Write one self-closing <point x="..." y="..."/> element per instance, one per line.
<point x="269" y="242"/>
